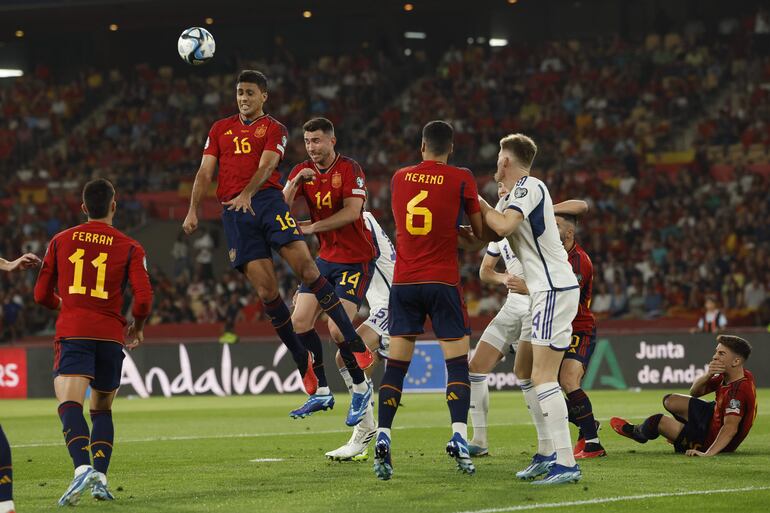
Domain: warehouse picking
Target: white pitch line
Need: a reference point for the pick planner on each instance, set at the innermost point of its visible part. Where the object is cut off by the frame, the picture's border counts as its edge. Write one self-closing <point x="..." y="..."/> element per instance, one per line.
<point x="604" y="500"/>
<point x="265" y="460"/>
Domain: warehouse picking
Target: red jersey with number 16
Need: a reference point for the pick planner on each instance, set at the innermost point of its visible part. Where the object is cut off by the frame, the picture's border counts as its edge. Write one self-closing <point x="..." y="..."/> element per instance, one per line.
<point x="428" y="202"/>
<point x="238" y="147"/>
<point x="90" y="265"/>
<point x="325" y="195"/>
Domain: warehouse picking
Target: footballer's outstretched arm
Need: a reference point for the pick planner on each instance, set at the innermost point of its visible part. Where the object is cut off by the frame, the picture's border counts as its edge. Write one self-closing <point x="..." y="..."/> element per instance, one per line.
<point x="267" y="163"/>
<point x="571" y="207"/>
<point x="506" y="223"/>
<point x="25" y="261"/>
<point x="725" y="435"/>
<point x="203" y="179"/>
<point x="487" y="271"/>
<point x="350" y="211"/>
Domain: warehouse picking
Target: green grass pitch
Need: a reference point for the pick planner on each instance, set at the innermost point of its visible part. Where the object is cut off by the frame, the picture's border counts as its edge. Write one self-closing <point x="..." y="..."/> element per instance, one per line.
<point x="195" y="454"/>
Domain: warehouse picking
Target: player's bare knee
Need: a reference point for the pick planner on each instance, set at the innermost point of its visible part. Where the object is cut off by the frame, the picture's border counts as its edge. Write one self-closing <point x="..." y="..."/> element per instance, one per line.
<point x="667" y="401"/>
<point x="339" y="360"/>
<point x="335" y="332"/>
<point x="569" y="380"/>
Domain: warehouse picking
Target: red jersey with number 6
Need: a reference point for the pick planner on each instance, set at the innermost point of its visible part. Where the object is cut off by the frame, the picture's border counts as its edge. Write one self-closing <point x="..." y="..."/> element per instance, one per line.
<point x="429" y="201"/>
<point x="238" y="147"/>
<point x="584" y="321"/>
<point x="325" y="195"/>
<point x="90" y="265"/>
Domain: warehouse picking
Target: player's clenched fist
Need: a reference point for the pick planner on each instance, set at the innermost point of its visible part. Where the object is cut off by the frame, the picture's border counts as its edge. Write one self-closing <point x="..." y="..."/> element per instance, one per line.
<point x="190" y="223"/>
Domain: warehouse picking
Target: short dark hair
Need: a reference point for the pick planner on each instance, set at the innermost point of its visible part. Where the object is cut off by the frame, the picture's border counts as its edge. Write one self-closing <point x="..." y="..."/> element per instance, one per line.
<point x="321" y="124"/>
<point x="569" y="218"/>
<point x="736" y="344"/>
<point x="253" y="77"/>
<point x="97" y="197"/>
<point x="521" y="146"/>
<point x="438" y="136"/>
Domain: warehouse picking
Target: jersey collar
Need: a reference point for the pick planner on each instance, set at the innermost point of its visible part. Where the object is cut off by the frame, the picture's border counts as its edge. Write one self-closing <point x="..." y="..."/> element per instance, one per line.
<point x="244" y="123"/>
<point x="334" y="163"/>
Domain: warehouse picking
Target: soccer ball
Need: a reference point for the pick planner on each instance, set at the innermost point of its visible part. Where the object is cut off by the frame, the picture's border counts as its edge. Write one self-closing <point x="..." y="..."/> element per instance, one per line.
<point x="196" y="46"/>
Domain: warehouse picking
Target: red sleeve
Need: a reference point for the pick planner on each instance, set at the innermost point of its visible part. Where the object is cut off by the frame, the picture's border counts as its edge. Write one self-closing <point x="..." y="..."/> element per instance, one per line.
<point x="301" y="185"/>
<point x="471" y="196"/>
<point x="587" y="272"/>
<point x="354" y="182"/>
<point x="277" y="137"/>
<point x="212" y="142"/>
<point x="46" y="280"/>
<point x="713" y="383"/>
<point x="738" y="404"/>
<point x="140" y="283"/>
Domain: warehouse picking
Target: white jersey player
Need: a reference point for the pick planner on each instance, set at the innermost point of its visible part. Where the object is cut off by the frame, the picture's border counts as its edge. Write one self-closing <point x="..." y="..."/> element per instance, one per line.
<point x="374" y="332"/>
<point x="526" y="218"/>
<point x="510" y="327"/>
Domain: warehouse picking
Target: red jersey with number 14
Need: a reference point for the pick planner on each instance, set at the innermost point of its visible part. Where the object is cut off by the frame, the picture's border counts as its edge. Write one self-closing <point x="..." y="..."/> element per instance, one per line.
<point x="90" y="265"/>
<point x="738" y="398"/>
<point x="238" y="147"/>
<point x="584" y="321"/>
<point x="428" y="202"/>
<point x="325" y="195"/>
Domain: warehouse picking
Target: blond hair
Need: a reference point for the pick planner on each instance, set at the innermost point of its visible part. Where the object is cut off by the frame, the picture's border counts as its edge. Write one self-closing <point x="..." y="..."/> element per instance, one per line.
<point x="521" y="147"/>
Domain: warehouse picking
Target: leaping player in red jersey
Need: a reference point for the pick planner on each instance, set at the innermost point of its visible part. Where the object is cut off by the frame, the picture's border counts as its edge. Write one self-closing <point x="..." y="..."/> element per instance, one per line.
<point x="90" y="265"/>
<point x="26" y="261"/>
<point x="334" y="189"/>
<point x="698" y="427"/>
<point x="429" y="202"/>
<point x="248" y="148"/>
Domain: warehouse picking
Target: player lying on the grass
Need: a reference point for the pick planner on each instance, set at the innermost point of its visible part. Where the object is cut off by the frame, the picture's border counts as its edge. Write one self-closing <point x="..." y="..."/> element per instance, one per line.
<point x="526" y="218"/>
<point x="374" y="332"/>
<point x="706" y="428"/>
<point x="90" y="265"/>
<point x="26" y="261"/>
<point x="334" y="189"/>
<point x="428" y="201"/>
<point x="248" y="147"/>
<point x="504" y="331"/>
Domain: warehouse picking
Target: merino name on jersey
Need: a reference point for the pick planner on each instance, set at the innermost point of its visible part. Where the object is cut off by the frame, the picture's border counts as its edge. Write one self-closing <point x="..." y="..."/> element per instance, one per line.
<point x="537" y="242"/>
<point x="238" y="147"/>
<point x="428" y="202"/>
<point x="325" y="195"/>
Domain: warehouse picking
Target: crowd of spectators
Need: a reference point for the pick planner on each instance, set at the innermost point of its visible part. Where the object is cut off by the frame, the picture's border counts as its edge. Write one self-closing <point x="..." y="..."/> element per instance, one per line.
<point x="661" y="239"/>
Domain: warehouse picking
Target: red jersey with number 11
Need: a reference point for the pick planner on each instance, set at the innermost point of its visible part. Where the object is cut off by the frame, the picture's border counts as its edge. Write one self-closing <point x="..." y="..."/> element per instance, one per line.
<point x="429" y="201"/>
<point x="90" y="265"/>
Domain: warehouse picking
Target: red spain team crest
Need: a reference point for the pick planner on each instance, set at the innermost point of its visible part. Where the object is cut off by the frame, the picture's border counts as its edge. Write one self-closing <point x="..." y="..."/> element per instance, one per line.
<point x="336" y="180"/>
<point x="260" y="131"/>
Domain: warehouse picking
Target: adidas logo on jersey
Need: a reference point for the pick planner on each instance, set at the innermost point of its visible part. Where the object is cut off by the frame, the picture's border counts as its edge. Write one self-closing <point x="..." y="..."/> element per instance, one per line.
<point x="229" y="132"/>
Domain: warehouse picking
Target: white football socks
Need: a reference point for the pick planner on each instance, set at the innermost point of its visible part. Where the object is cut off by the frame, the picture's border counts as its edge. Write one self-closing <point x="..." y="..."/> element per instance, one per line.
<point x="554" y="409"/>
<point x="479" y="408"/>
<point x="544" y="442"/>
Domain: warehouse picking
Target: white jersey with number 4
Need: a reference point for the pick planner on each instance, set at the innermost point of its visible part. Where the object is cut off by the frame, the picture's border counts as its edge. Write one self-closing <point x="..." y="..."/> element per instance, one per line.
<point x="536" y="242"/>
